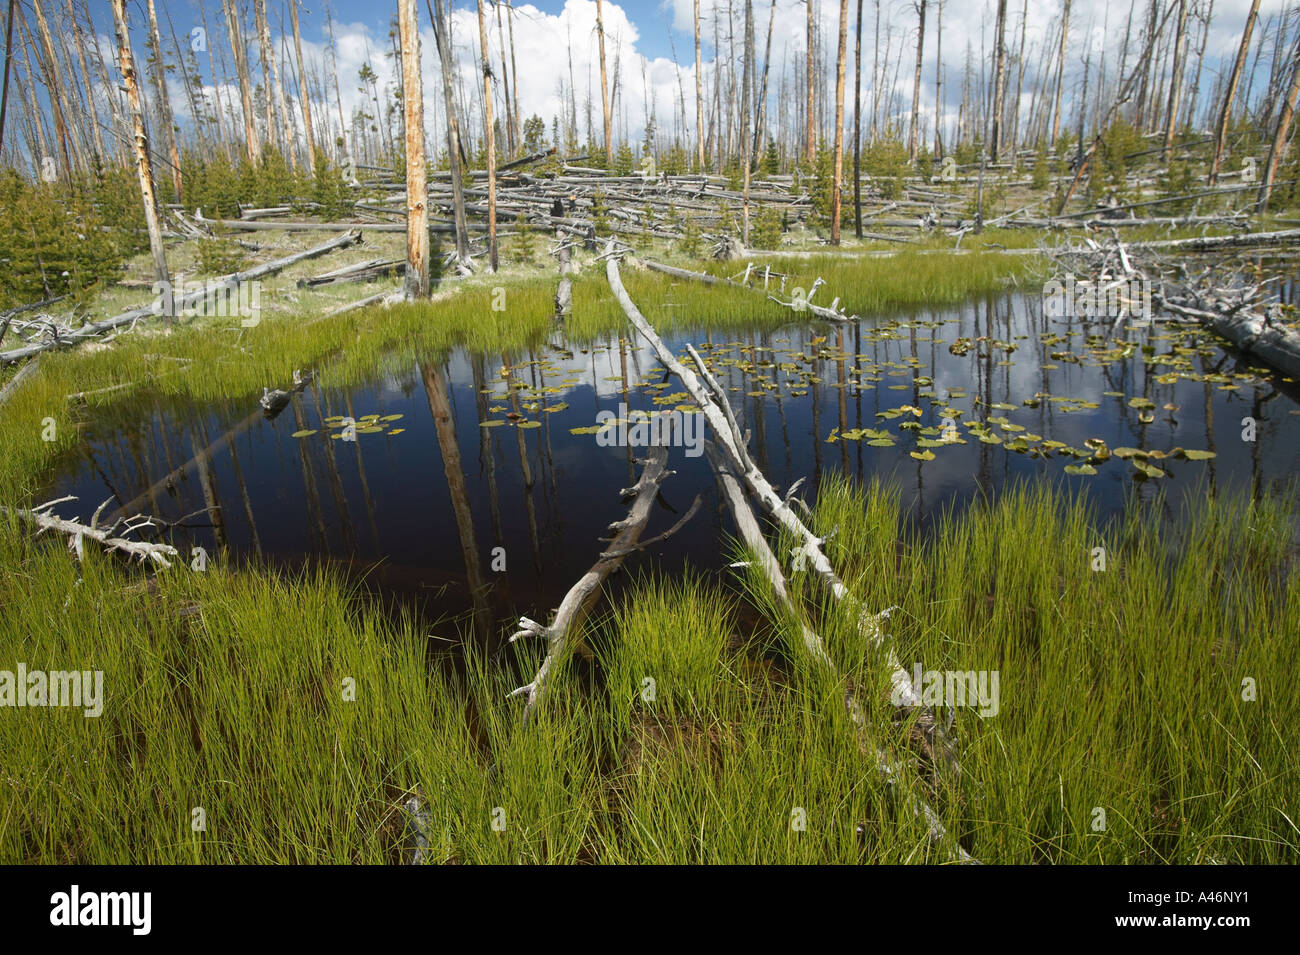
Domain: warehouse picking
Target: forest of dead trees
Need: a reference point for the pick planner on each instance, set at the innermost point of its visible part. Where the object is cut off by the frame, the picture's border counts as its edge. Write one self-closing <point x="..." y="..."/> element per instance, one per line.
<point x="835" y="115"/>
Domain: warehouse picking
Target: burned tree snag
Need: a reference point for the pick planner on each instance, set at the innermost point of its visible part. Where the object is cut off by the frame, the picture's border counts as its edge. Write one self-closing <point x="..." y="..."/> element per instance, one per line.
<point x="126" y="63"/>
<point x="417" y="190"/>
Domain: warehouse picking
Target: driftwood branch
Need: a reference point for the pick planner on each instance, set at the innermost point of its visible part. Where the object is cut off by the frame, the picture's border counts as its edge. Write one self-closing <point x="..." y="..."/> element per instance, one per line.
<point x="107" y="537"/>
<point x="578" y="602"/>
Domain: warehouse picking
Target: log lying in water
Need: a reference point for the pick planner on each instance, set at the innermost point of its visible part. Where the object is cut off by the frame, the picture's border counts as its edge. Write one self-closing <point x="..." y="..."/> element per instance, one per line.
<point x="582" y="596"/>
<point x="712" y="401"/>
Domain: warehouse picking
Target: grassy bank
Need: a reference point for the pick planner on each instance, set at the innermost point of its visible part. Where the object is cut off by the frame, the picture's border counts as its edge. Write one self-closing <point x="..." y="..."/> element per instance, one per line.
<point x="297" y="722"/>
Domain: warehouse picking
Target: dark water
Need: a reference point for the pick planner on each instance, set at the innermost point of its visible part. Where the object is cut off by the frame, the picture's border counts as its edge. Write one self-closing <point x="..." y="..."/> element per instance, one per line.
<point x="419" y="504"/>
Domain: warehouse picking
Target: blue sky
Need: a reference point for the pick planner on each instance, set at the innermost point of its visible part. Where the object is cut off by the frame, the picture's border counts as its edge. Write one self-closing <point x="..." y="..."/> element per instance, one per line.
<point x="554" y="37"/>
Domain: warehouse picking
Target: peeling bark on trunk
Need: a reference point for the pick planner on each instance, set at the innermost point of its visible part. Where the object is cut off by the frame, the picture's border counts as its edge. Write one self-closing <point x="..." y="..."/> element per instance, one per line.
<point x="126" y="63"/>
<point x="417" y="191"/>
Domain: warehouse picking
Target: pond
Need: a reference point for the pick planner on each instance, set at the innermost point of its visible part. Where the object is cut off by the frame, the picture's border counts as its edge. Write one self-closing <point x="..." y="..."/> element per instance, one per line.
<point x="482" y="483"/>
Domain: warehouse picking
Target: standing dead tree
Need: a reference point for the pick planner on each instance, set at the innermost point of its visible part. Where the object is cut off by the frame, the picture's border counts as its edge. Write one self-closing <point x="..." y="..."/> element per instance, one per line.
<point x="1230" y="93"/>
<point x="143" y="164"/>
<point x="417" y="190"/>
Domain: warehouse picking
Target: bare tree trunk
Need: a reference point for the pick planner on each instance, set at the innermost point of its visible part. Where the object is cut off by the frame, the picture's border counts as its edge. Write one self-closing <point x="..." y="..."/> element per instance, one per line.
<point x="1200" y="62"/>
<point x="810" y="123"/>
<point x="760" y="130"/>
<point x="55" y="88"/>
<point x="126" y="64"/>
<point x="857" y="124"/>
<point x="9" y="50"/>
<point x="453" y="134"/>
<point x="604" y="87"/>
<point x="699" y="94"/>
<point x="1060" y="74"/>
<point x="1020" y="79"/>
<point x="80" y="43"/>
<point x="514" y="73"/>
<point x="164" y="101"/>
<point x="417" y="189"/>
<point x="837" y="192"/>
<point x="938" y="78"/>
<point x="505" y="86"/>
<point x="914" y="130"/>
<point x="304" y="100"/>
<point x="491" y="140"/>
<point x="338" y="99"/>
<point x="746" y="140"/>
<point x="1278" y="145"/>
<point x="1000" y="79"/>
<point x="252" y="142"/>
<point x="264" y="54"/>
<point x="1234" y="78"/>
<point x="1176" y="80"/>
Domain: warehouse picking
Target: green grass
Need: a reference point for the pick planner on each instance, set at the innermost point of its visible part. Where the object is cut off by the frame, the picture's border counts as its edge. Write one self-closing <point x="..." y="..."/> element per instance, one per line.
<point x="1119" y="690"/>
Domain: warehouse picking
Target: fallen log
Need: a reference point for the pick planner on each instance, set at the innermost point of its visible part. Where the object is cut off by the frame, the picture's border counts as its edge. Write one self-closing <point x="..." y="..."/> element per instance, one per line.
<point x="713" y="403"/>
<point x="1260" y="336"/>
<point x="92" y="329"/>
<point x="13" y="384"/>
<point x="360" y="272"/>
<point x="582" y="596"/>
<point x="752" y="536"/>
<point x="42" y="518"/>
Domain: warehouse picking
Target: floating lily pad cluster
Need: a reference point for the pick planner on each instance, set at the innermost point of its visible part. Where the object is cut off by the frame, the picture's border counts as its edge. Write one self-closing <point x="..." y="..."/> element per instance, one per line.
<point x="338" y="426"/>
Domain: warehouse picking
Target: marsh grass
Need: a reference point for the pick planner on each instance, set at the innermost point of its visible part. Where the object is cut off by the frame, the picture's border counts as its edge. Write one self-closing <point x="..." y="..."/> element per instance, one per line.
<point x="1119" y="689"/>
<point x="226" y="691"/>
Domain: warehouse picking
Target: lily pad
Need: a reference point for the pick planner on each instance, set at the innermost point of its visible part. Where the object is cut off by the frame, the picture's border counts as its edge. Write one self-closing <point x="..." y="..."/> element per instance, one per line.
<point x="306" y="432"/>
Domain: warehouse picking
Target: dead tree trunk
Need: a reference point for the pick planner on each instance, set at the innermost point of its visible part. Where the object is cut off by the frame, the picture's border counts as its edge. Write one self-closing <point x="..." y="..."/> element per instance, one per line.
<point x="454" y="152"/>
<point x="1060" y="74"/>
<point x="251" y="141"/>
<point x="999" y="81"/>
<point x="914" y="128"/>
<point x="417" y="189"/>
<point x="1278" y="146"/>
<point x="165" y="103"/>
<point x="304" y="100"/>
<point x="126" y="64"/>
<point x="491" y="139"/>
<point x="604" y="87"/>
<point x="1176" y="80"/>
<point x="1234" y="78"/>
<point x="857" y="124"/>
<point x="55" y="89"/>
<point x="810" y="123"/>
<point x="838" y="187"/>
<point x="699" y="95"/>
